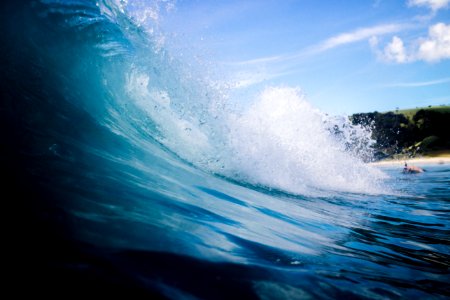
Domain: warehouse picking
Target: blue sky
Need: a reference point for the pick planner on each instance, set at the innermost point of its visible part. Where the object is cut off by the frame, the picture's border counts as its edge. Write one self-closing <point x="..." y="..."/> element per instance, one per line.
<point x="346" y="56"/>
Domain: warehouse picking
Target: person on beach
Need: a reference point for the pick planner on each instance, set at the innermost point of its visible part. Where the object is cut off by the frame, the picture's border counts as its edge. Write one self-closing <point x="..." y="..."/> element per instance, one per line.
<point x="412" y="169"/>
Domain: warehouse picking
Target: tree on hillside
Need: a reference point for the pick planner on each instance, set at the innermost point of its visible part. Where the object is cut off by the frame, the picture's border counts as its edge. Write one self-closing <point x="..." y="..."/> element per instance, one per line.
<point x="430" y="122"/>
<point x="395" y="133"/>
<point x="433" y="127"/>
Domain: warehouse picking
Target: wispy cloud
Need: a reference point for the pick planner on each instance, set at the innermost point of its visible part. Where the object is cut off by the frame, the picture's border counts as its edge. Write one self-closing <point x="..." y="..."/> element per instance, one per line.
<point x="330" y="43"/>
<point x="420" y="83"/>
<point x="359" y="35"/>
<point x="250" y="78"/>
<point x="433" y="5"/>
<point x="376" y="3"/>
<point x="282" y="65"/>
<point x="257" y="61"/>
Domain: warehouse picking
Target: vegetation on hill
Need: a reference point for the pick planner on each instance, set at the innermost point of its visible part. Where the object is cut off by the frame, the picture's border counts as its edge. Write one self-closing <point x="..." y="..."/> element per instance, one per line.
<point x="408" y="132"/>
<point x="409" y="113"/>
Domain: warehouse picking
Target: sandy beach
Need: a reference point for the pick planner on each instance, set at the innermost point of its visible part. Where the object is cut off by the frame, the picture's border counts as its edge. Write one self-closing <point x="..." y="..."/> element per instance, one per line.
<point x="417" y="161"/>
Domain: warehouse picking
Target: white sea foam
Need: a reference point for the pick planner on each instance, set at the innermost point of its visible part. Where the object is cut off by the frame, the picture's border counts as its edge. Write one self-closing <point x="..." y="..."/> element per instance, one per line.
<point x="282" y="141"/>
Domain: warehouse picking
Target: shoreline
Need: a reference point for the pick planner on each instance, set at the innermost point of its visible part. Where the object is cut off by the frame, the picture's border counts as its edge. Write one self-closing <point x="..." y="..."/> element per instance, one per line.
<point x="436" y="160"/>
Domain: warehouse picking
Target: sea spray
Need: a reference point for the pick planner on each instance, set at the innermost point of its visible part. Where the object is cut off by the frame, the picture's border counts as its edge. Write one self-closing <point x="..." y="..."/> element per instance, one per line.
<point x="282" y="141"/>
<point x="279" y="140"/>
<point x="177" y="131"/>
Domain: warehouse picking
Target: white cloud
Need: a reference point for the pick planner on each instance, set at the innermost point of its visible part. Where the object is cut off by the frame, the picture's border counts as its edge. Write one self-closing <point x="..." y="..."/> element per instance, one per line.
<point x="437" y="45"/>
<point x="433" y="48"/>
<point x="434" y="5"/>
<point x="395" y="51"/>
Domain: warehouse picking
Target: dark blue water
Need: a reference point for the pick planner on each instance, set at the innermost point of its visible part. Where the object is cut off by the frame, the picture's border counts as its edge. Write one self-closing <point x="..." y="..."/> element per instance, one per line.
<point x="97" y="203"/>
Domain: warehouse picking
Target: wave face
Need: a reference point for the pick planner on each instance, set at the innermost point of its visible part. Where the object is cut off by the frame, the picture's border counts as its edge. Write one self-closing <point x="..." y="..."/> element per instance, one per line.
<point x="125" y="174"/>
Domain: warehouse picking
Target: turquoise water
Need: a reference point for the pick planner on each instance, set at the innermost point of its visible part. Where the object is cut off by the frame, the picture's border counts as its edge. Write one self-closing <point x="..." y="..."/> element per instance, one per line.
<point x="125" y="176"/>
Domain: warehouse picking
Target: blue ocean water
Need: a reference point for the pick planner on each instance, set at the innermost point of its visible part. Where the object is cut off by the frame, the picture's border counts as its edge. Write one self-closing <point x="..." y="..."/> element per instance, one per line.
<point x="125" y="176"/>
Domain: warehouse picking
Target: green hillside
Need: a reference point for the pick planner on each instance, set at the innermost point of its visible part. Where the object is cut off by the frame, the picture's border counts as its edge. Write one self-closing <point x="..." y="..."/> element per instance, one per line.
<point x="408" y="132"/>
<point x="409" y="113"/>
